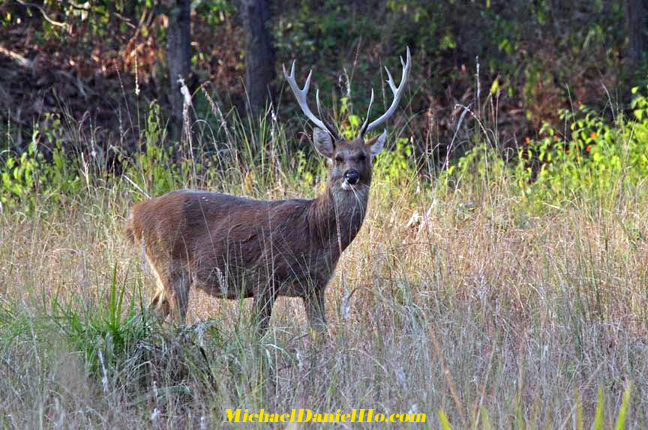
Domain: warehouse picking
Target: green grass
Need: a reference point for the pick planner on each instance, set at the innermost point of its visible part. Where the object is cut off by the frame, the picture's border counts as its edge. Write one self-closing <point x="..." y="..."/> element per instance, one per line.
<point x="465" y="300"/>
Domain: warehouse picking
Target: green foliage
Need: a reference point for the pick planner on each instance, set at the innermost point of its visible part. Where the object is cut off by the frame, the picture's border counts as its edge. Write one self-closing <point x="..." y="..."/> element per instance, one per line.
<point x="398" y="165"/>
<point x="29" y="177"/>
<point x="214" y="11"/>
<point x="593" y="159"/>
<point x="106" y="332"/>
<point x="318" y="29"/>
<point x="154" y="169"/>
<point x="64" y="17"/>
<point x="476" y="169"/>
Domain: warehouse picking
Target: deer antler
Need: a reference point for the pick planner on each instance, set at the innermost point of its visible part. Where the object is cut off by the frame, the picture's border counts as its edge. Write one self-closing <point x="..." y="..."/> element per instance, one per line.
<point x="300" y="95"/>
<point x="398" y="93"/>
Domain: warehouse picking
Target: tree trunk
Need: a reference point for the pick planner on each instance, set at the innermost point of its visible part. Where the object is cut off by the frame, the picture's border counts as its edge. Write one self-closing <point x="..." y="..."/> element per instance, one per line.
<point x="636" y="12"/>
<point x="259" y="52"/>
<point x="178" y="58"/>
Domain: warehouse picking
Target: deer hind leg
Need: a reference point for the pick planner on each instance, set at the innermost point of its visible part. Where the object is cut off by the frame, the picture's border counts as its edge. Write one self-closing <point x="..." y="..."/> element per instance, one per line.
<point x="172" y="295"/>
<point x="160" y="303"/>
<point x="180" y="283"/>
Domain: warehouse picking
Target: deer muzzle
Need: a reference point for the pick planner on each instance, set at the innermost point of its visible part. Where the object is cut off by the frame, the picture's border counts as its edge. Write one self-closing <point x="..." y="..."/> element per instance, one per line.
<point x="352" y="177"/>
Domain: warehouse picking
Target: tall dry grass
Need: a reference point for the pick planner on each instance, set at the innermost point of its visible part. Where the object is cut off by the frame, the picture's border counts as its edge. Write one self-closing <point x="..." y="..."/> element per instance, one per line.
<point x="453" y="299"/>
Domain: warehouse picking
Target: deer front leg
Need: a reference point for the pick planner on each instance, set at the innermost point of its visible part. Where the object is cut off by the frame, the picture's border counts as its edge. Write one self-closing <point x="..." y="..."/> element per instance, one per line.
<point x="263" y="304"/>
<point x="314" y="304"/>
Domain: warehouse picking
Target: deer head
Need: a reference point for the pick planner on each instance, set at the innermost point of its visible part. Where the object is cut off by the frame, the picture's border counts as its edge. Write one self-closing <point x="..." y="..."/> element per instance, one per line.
<point x="351" y="161"/>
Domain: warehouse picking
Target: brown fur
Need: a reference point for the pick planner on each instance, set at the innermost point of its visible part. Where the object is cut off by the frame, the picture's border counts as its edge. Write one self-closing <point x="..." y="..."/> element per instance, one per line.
<point x="235" y="247"/>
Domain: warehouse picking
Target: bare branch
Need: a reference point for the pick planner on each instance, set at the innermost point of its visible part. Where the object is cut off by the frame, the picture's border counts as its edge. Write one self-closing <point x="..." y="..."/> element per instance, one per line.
<point x="24" y="62"/>
<point x="47" y="18"/>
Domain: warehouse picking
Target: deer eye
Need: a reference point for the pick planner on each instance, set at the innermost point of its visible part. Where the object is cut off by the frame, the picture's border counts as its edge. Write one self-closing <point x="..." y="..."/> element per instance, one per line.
<point x="361" y="158"/>
<point x="339" y="159"/>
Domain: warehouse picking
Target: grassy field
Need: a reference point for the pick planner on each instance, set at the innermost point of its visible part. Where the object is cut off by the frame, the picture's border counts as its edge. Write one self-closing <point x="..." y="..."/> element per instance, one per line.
<point x="461" y="298"/>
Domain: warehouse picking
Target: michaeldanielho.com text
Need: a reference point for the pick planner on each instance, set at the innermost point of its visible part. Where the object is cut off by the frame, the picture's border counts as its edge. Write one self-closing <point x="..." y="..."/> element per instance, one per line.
<point x="306" y="415"/>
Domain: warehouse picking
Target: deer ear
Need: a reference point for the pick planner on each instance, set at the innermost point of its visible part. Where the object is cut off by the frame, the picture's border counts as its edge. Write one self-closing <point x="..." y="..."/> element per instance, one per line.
<point x="323" y="142"/>
<point x="377" y="143"/>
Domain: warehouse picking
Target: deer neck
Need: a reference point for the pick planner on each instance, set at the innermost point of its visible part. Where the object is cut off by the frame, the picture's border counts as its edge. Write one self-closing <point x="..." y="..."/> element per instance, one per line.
<point x="337" y="216"/>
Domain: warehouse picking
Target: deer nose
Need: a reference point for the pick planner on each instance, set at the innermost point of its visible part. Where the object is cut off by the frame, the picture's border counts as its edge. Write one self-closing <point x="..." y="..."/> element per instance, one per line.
<point x="352" y="176"/>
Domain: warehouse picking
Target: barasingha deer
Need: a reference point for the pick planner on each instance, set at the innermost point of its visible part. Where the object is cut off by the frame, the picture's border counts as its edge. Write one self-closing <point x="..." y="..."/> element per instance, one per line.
<point x="235" y="247"/>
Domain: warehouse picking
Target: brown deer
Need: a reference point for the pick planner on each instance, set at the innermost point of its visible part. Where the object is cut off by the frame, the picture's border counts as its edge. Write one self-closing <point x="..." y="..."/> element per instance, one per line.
<point x="235" y="247"/>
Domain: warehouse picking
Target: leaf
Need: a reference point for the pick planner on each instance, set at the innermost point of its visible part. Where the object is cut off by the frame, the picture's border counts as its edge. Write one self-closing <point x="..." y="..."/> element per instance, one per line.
<point x="598" y="421"/>
<point x="620" y="424"/>
<point x="638" y="113"/>
<point x="495" y="87"/>
<point x="445" y="424"/>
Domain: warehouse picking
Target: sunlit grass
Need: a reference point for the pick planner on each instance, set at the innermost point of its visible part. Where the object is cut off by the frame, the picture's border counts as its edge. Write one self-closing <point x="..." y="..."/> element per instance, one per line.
<point x="460" y="302"/>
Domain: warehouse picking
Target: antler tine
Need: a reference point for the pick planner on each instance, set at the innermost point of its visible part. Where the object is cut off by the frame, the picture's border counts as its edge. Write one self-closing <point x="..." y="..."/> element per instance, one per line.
<point x="390" y="80"/>
<point x="317" y="101"/>
<point x="300" y="95"/>
<point x="363" y="130"/>
<point x="398" y="93"/>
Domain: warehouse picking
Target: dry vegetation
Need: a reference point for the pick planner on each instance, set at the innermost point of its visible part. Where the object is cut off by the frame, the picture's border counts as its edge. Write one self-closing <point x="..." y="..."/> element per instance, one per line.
<point x="457" y="299"/>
